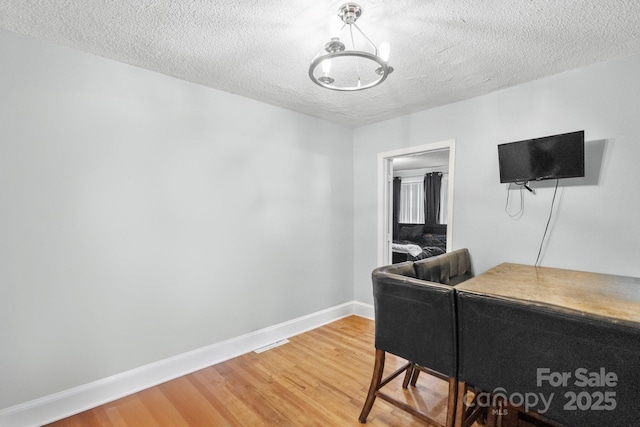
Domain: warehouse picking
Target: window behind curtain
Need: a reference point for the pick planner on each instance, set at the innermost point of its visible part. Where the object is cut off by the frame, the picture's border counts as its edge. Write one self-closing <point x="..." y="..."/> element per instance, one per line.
<point x="411" y="202"/>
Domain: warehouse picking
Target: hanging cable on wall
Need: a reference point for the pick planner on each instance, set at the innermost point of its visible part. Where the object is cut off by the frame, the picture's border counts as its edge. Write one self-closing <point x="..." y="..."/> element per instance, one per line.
<point x="506" y="206"/>
<point x="548" y="222"/>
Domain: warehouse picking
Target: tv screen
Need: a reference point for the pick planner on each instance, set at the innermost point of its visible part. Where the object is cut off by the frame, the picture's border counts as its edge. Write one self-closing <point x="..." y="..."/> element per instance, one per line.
<point x="550" y="157"/>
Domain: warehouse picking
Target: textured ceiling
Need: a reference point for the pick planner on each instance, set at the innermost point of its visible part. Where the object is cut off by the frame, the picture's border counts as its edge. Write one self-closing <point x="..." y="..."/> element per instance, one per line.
<point x="442" y="50"/>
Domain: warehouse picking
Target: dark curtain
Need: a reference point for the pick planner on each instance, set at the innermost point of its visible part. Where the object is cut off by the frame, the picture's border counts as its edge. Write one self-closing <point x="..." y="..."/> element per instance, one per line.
<point x="432" y="184"/>
<point x="396" y="205"/>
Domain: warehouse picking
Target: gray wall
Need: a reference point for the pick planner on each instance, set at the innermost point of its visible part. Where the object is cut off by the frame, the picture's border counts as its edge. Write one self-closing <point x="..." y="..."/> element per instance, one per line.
<point x="596" y="226"/>
<point x="142" y="217"/>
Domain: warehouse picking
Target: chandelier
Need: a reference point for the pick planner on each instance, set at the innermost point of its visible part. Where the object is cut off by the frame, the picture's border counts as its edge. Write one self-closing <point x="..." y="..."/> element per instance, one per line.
<point x="355" y="65"/>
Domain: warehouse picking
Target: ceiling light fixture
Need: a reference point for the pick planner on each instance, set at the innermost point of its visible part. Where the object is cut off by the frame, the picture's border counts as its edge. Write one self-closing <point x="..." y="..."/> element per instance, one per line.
<point x="339" y="67"/>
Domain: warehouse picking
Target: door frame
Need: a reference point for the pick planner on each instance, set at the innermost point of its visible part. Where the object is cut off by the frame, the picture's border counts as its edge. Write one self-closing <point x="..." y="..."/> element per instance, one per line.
<point x="385" y="193"/>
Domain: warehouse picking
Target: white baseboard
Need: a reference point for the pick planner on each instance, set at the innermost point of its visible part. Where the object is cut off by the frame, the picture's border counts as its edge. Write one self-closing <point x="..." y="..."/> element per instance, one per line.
<point x="75" y="400"/>
<point x="363" y="310"/>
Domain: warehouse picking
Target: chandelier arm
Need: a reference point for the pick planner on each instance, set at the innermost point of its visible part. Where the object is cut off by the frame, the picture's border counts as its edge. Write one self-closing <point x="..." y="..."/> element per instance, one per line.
<point x="375" y="49"/>
<point x="353" y="45"/>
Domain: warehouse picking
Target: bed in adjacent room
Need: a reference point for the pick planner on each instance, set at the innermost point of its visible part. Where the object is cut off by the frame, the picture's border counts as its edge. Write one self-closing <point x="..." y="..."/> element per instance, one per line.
<point x="419" y="241"/>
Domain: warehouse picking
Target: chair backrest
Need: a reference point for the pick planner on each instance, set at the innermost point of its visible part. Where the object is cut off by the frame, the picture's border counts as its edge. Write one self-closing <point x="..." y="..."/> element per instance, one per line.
<point x="401" y="269"/>
<point x="450" y="268"/>
<point x="517" y="347"/>
<point x="416" y="320"/>
<point x="415" y="310"/>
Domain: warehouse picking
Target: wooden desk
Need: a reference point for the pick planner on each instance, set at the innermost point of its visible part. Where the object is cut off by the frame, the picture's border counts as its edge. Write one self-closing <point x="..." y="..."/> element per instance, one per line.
<point x="613" y="297"/>
<point x="515" y="319"/>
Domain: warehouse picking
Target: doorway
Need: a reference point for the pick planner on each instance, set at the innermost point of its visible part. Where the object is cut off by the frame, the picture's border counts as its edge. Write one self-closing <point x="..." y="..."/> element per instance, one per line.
<point x="385" y="190"/>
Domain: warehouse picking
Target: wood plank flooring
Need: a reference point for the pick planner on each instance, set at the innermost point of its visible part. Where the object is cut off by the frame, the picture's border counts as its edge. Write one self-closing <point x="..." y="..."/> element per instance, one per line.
<point x="320" y="378"/>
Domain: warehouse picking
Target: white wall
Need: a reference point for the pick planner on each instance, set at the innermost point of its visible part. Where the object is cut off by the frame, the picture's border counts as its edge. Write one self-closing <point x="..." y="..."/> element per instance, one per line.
<point x="143" y="216"/>
<point x="597" y="226"/>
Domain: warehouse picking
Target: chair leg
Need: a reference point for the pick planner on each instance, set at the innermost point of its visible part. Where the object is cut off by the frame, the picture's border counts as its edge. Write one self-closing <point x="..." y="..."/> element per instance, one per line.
<point x="414" y="378"/>
<point x="376" y="379"/>
<point x="460" y="403"/>
<point x="468" y="412"/>
<point x="452" y="402"/>
<point x="411" y="376"/>
<point x="411" y="371"/>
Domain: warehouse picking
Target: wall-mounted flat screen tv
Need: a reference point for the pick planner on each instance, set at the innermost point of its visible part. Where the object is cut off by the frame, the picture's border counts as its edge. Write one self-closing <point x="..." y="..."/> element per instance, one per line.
<point x="550" y="157"/>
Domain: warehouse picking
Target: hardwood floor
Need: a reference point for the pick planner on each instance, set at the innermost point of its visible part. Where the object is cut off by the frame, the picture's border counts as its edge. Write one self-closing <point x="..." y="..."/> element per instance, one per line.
<point x="320" y="378"/>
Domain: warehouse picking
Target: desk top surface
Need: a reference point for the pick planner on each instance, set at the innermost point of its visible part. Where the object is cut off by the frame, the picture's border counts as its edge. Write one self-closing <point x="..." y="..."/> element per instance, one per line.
<point x="603" y="295"/>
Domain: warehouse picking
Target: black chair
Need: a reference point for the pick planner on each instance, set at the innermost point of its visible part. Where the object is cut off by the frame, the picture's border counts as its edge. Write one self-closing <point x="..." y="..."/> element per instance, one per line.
<point x="448" y="269"/>
<point x="416" y="320"/>
<point x="503" y="343"/>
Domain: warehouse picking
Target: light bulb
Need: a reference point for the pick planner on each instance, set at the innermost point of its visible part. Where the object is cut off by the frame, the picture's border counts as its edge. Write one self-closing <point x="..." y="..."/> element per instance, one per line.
<point x="385" y="49"/>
